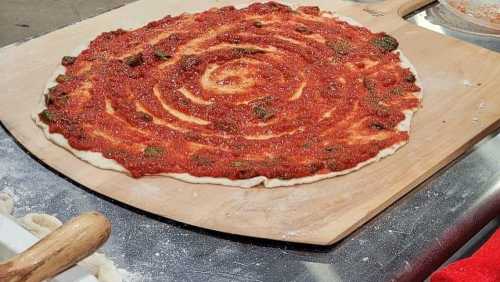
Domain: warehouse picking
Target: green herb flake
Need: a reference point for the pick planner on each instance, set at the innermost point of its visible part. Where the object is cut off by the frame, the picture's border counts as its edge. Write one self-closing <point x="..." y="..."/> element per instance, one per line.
<point x="144" y="116"/>
<point x="314" y="167"/>
<point x="153" y="151"/>
<point x="46" y="116"/>
<point x="263" y="113"/>
<point x="303" y="29"/>
<point x="369" y="84"/>
<point x="330" y="149"/>
<point x="68" y="60"/>
<point x="377" y="126"/>
<point x="396" y="91"/>
<point x="247" y="51"/>
<point x="257" y="24"/>
<point x="341" y="47"/>
<point x="161" y="55"/>
<point x="63" y="97"/>
<point x="202" y="160"/>
<point x="371" y="100"/>
<point x="331" y="164"/>
<point x="63" y="78"/>
<point x="382" y="110"/>
<point x="51" y="98"/>
<point x="52" y="89"/>
<point x="183" y="101"/>
<point x="134" y="60"/>
<point x="385" y="43"/>
<point x="410" y="78"/>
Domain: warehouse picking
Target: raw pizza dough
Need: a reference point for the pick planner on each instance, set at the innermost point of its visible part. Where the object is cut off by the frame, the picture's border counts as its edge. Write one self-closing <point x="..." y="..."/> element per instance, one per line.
<point x="42" y="225"/>
<point x="97" y="159"/>
<point x="6" y="204"/>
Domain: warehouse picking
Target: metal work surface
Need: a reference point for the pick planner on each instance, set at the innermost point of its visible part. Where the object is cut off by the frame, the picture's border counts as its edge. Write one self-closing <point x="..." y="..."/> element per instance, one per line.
<point x="404" y="243"/>
<point x="437" y="18"/>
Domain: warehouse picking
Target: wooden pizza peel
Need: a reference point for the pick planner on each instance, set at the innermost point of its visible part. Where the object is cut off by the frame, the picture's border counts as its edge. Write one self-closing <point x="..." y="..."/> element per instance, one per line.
<point x="449" y="123"/>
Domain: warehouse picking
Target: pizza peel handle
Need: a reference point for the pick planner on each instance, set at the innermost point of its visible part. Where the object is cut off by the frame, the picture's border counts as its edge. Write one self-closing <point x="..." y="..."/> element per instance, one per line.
<point x="70" y="243"/>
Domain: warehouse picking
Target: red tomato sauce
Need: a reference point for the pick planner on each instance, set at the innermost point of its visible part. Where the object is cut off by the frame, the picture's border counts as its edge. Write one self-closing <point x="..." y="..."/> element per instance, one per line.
<point x="271" y="92"/>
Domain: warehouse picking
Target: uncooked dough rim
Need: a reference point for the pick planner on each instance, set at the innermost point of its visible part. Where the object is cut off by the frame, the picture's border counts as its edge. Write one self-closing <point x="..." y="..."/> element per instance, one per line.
<point x="97" y="159"/>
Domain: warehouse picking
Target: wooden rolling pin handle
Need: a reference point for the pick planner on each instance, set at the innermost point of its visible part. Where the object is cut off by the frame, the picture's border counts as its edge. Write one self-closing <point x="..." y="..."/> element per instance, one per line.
<point x="67" y="245"/>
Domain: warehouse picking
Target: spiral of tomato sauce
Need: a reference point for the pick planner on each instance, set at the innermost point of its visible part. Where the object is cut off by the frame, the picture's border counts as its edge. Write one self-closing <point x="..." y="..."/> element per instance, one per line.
<point x="260" y="91"/>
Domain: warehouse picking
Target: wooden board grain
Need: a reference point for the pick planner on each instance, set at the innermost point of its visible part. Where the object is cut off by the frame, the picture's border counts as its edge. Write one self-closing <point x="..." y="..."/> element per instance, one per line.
<point x="461" y="105"/>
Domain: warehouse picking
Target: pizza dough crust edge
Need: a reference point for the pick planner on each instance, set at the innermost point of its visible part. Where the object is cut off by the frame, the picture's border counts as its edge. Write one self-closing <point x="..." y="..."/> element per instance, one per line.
<point x="98" y="160"/>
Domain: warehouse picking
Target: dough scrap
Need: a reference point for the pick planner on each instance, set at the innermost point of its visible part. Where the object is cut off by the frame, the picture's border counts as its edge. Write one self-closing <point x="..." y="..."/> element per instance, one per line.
<point x="6" y="204"/>
<point x="101" y="267"/>
<point x="39" y="225"/>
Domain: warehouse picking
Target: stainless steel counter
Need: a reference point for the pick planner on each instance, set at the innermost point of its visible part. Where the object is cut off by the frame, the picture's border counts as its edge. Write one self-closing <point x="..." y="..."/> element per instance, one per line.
<point x="404" y="243"/>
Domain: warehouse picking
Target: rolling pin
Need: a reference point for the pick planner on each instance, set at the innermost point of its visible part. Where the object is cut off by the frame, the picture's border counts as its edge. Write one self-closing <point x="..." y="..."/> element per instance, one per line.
<point x="67" y="245"/>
